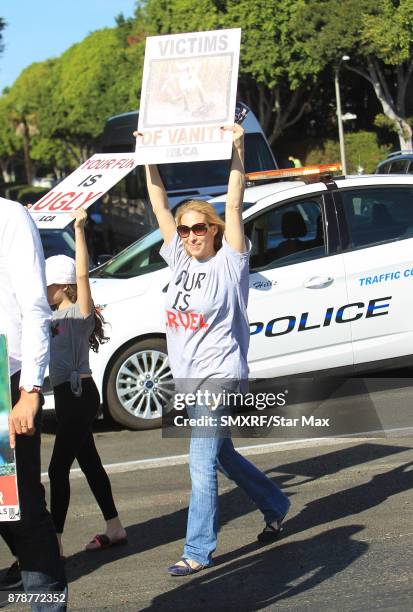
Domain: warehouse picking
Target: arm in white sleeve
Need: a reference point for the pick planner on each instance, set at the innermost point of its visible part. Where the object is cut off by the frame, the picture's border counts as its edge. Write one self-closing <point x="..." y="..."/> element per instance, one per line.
<point x="25" y="263"/>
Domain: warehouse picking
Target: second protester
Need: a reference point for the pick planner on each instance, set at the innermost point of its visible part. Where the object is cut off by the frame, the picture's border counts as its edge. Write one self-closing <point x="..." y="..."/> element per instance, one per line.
<point x="76" y="327"/>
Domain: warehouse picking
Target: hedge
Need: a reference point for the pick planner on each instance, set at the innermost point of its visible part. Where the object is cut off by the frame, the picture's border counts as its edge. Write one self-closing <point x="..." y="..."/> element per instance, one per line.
<point x="362" y="152"/>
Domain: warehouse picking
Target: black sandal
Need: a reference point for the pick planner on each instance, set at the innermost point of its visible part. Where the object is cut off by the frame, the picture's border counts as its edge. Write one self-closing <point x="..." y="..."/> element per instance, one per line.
<point x="270" y="533"/>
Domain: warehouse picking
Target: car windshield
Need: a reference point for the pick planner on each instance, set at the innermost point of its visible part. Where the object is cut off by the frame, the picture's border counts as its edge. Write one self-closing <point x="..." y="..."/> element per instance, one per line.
<point x="57" y="242"/>
<point x="211" y="173"/>
<point x="143" y="255"/>
<point x="139" y="258"/>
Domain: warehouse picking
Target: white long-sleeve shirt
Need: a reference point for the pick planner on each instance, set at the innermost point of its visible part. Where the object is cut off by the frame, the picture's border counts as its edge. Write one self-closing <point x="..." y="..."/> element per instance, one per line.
<point x="24" y="311"/>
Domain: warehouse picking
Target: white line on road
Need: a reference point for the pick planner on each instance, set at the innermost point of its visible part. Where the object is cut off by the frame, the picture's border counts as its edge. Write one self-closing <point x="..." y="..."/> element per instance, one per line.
<point x="256" y="449"/>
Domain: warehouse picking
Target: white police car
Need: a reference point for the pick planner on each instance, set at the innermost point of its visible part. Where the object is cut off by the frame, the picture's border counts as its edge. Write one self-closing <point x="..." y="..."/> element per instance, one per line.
<point x="331" y="287"/>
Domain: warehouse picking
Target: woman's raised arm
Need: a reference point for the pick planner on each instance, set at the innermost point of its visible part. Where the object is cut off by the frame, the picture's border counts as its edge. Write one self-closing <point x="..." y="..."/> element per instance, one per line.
<point x="84" y="295"/>
<point x="159" y="200"/>
<point x="234" y="227"/>
<point x="160" y="204"/>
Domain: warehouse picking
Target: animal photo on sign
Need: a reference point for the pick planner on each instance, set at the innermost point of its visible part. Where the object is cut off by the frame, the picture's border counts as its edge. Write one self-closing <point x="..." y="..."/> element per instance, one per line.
<point x="188" y="91"/>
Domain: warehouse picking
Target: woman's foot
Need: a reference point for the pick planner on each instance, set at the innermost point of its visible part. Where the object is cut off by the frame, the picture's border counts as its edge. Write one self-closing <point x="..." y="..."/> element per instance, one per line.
<point x="271" y="532"/>
<point x="113" y="536"/>
<point x="185" y="567"/>
<point x="114" y="530"/>
<point x="101" y="541"/>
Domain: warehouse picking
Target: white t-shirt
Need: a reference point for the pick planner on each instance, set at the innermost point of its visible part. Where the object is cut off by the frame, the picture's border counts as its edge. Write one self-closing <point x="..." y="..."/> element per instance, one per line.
<point x="24" y="311"/>
<point x="207" y="326"/>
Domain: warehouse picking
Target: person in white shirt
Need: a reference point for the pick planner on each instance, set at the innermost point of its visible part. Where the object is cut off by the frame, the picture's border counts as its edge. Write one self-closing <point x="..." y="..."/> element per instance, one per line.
<point x="24" y="318"/>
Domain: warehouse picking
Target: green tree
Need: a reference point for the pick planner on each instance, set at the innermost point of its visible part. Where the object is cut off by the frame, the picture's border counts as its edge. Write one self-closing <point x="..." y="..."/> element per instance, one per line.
<point x="91" y="81"/>
<point x="28" y="105"/>
<point x="378" y="36"/>
<point x="363" y="152"/>
<point x="24" y="123"/>
<point x="52" y="153"/>
<point x="274" y="79"/>
<point x="58" y="107"/>
<point x="9" y="143"/>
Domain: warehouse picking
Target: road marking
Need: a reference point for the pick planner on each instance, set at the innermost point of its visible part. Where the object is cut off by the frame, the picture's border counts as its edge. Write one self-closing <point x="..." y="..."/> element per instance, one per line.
<point x="256" y="449"/>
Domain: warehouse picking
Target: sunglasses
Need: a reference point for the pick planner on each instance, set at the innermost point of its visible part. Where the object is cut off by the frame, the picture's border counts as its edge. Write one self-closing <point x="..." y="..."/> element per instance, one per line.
<point x="199" y="229"/>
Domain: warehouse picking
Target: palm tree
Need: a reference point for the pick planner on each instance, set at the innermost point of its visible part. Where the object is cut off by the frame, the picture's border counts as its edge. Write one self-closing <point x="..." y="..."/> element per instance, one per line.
<point x="24" y="123"/>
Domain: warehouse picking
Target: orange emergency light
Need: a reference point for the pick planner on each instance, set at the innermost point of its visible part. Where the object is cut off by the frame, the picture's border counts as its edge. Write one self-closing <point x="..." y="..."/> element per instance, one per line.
<point x="320" y="169"/>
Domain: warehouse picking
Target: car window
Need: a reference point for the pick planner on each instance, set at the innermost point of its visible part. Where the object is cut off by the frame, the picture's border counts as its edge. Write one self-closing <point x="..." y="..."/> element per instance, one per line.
<point x="288" y="234"/>
<point x="410" y="168"/>
<point x="383" y="168"/>
<point x="139" y="258"/>
<point x="378" y="214"/>
<point x="57" y="242"/>
<point x="398" y="166"/>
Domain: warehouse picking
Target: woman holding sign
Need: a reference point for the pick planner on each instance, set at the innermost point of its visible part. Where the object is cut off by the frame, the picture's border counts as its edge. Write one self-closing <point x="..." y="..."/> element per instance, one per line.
<point x="208" y="337"/>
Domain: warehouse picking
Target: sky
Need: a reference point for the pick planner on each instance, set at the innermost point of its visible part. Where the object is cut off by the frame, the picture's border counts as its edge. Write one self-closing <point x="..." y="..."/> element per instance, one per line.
<point x="40" y="29"/>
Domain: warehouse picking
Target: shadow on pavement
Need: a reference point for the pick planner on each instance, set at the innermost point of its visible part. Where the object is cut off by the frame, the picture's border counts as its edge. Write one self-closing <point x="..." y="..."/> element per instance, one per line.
<point x="352" y="501"/>
<point x="171" y="527"/>
<point x="316" y="467"/>
<point x="269" y="576"/>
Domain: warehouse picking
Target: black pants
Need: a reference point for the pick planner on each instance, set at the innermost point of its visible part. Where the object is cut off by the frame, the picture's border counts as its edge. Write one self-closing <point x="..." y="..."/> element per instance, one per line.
<point x="74" y="440"/>
<point x="32" y="539"/>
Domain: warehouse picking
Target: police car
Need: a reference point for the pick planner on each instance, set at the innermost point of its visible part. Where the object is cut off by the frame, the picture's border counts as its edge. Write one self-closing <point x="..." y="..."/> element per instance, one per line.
<point x="331" y="288"/>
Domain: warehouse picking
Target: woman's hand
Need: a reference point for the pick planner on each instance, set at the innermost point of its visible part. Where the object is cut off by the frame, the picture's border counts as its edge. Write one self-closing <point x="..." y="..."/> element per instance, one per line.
<point x="237" y="135"/>
<point x="80" y="217"/>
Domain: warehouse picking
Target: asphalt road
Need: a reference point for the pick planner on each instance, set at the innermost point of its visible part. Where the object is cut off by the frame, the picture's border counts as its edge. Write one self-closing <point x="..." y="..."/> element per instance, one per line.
<point x="346" y="544"/>
<point x="354" y="406"/>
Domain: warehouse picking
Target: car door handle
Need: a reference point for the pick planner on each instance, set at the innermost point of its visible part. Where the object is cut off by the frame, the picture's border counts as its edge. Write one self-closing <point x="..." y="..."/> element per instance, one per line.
<point x="318" y="282"/>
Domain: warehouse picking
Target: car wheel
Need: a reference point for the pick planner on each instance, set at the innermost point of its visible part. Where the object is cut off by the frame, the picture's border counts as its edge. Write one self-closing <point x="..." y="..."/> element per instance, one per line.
<point x="139" y="385"/>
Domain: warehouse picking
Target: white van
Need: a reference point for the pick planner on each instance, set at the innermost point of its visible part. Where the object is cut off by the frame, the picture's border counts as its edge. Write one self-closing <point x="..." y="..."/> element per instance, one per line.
<point x="125" y="211"/>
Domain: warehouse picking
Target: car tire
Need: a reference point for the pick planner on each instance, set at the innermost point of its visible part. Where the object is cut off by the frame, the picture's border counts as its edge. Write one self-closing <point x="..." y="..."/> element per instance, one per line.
<point x="138" y="383"/>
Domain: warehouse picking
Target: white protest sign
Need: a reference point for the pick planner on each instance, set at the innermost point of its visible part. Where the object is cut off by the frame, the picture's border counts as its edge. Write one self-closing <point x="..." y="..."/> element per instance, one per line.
<point x="81" y="188"/>
<point x="189" y="90"/>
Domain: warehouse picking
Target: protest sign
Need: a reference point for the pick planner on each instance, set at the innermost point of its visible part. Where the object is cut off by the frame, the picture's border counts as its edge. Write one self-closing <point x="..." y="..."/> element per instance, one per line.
<point x="81" y="188"/>
<point x="188" y="91"/>
<point x="9" y="501"/>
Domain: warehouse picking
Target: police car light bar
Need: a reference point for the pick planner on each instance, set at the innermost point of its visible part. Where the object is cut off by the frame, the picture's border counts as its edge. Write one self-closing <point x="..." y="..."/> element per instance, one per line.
<point x="321" y="169"/>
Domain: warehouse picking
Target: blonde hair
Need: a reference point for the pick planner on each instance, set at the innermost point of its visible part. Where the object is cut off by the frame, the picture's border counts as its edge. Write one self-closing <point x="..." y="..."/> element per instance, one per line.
<point x="211" y="215"/>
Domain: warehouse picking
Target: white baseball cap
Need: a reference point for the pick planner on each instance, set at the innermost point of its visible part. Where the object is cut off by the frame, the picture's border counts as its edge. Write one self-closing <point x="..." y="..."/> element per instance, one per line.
<point x="60" y="270"/>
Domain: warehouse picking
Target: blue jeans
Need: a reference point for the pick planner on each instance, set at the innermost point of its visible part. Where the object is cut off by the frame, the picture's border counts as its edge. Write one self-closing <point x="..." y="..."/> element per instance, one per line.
<point x="39" y="582"/>
<point x="212" y="448"/>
